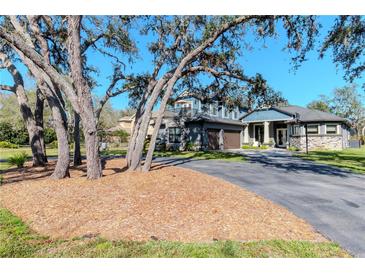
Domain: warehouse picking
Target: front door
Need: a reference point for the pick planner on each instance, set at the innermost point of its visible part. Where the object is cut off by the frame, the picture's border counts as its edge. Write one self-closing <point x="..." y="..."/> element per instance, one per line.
<point x="259" y="134"/>
<point x="281" y="137"/>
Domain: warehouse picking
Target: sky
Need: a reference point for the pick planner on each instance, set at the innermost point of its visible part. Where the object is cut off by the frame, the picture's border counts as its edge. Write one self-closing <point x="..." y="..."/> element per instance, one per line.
<point x="314" y="77"/>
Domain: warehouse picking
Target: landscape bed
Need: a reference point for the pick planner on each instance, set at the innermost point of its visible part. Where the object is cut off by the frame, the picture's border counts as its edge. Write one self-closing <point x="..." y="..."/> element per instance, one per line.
<point x="170" y="211"/>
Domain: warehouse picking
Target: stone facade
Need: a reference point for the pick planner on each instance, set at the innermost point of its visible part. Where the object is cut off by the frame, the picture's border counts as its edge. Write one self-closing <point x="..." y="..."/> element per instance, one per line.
<point x="333" y="142"/>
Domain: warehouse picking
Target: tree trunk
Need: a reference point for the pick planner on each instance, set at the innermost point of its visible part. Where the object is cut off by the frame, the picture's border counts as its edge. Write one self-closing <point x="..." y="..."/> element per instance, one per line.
<point x="140" y="133"/>
<point x="94" y="170"/>
<point x="36" y="145"/>
<point x="86" y="110"/>
<point x="38" y="115"/>
<point x="157" y="125"/>
<point x="160" y="113"/>
<point x="76" y="135"/>
<point x="36" y="141"/>
<point x="60" y="123"/>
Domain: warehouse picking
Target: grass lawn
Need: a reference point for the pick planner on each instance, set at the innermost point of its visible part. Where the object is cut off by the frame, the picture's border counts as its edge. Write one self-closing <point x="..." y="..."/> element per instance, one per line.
<point x="351" y="158"/>
<point x="202" y="155"/>
<point x="5" y="153"/>
<point x="18" y="240"/>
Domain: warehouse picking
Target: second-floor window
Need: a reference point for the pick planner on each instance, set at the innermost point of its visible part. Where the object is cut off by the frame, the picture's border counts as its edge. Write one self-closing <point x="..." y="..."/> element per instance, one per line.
<point x="226" y="112"/>
<point x="235" y="114"/>
<point x="174" y="135"/>
<point x="214" y="109"/>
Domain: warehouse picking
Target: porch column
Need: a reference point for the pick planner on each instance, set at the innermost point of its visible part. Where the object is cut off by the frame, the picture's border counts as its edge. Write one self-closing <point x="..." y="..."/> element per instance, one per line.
<point x="266" y="132"/>
<point x="245" y="134"/>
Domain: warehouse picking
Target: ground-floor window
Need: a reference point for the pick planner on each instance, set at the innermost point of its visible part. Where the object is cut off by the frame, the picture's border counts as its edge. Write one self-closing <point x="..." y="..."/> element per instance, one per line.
<point x="174" y="135"/>
<point x="331" y="129"/>
<point x="313" y="129"/>
<point x="296" y="130"/>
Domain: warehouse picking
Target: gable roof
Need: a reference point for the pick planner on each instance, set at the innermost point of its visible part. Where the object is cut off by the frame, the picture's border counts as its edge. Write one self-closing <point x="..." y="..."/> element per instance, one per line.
<point x="310" y="115"/>
<point x="290" y="113"/>
<point x="266" y="114"/>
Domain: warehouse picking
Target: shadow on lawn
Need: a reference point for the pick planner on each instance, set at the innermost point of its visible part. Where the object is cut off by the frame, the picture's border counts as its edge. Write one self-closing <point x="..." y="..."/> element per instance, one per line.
<point x="297" y="165"/>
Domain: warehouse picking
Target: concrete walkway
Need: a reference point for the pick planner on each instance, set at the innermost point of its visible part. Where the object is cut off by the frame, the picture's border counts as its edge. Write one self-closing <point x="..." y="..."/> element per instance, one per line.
<point x="329" y="198"/>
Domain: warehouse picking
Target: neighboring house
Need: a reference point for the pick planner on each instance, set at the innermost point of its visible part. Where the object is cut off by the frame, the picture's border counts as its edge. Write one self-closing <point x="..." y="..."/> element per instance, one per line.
<point x="127" y="122"/>
<point x="295" y="126"/>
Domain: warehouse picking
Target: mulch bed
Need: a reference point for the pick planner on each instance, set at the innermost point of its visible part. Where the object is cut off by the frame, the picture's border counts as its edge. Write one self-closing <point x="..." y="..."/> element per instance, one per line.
<point x="168" y="203"/>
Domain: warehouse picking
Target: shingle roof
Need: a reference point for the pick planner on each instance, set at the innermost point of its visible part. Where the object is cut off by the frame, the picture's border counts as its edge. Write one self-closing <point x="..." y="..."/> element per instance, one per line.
<point x="212" y="119"/>
<point x="310" y="115"/>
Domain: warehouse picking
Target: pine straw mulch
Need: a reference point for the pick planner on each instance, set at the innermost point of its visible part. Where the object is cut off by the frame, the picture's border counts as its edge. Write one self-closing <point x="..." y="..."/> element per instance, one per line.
<point x="168" y="203"/>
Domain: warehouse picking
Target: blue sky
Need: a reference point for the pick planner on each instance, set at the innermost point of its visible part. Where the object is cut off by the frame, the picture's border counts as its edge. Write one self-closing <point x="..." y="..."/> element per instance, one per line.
<point x="314" y="77"/>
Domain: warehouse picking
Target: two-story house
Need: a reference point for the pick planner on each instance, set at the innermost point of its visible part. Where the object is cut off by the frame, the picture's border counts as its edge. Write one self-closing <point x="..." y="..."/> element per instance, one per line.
<point x="202" y="126"/>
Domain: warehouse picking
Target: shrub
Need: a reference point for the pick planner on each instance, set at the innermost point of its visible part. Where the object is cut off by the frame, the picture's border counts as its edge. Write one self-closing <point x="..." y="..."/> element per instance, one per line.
<point x="146" y="144"/>
<point x="1" y="179"/>
<point x="21" y="136"/>
<point x="254" y="147"/>
<point x="6" y="131"/>
<point x="122" y="134"/>
<point x="5" y="144"/>
<point x="18" y="159"/>
<point x="13" y="135"/>
<point x="54" y="144"/>
<point x="293" y="148"/>
<point x="49" y="135"/>
<point x="247" y="147"/>
<point x="189" y="146"/>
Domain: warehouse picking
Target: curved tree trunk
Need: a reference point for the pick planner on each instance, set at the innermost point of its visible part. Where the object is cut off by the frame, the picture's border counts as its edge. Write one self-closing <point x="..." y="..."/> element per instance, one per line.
<point x="160" y="113"/>
<point x="76" y="136"/>
<point x="60" y="123"/>
<point x="157" y="125"/>
<point x="140" y="133"/>
<point x="35" y="131"/>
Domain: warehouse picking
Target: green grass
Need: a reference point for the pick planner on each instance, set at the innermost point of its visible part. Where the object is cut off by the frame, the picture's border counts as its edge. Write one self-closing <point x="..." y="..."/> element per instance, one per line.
<point x="202" y="155"/>
<point x="352" y="159"/>
<point x="5" y="153"/>
<point x="18" y="240"/>
<point x="254" y="147"/>
<point x="114" y="151"/>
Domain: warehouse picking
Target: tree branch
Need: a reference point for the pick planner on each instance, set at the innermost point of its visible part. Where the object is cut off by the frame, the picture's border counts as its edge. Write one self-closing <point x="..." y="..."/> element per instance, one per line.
<point x="8" y="88"/>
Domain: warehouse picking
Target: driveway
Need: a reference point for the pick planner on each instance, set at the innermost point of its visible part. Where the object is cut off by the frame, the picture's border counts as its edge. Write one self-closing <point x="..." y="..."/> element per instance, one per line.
<point x="329" y="198"/>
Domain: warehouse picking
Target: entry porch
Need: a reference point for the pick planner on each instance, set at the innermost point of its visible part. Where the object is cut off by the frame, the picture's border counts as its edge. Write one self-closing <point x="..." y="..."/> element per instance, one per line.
<point x="268" y="133"/>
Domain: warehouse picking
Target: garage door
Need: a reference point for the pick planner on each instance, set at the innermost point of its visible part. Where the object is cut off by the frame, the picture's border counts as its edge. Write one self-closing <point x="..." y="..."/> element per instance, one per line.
<point x="213" y="139"/>
<point x="231" y="139"/>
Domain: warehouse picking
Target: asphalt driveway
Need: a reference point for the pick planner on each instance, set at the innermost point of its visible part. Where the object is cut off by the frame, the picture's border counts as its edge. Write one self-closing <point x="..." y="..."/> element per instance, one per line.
<point x="331" y="199"/>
